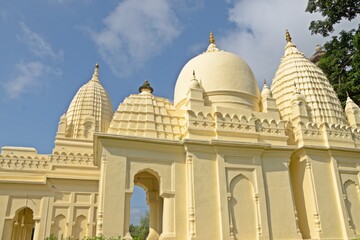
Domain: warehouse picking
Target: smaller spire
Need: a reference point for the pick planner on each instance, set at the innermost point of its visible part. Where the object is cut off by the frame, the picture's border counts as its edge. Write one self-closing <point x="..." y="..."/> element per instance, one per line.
<point x="347" y="94"/>
<point x="194" y="83"/>
<point x="266" y="92"/>
<point x="95" y="76"/>
<point x="212" y="39"/>
<point x="146" y="87"/>
<point x="288" y="37"/>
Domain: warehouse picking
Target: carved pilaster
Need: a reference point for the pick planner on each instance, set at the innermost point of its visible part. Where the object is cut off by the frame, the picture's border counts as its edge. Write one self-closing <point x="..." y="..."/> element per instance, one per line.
<point x="191" y="202"/>
<point x="100" y="213"/>
<point x="316" y="214"/>
<point x="231" y="225"/>
<point x="258" y="221"/>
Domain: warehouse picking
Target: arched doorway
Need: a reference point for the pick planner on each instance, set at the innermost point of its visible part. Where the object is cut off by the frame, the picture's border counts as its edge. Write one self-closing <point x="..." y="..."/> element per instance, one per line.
<point x="23" y="225"/>
<point x="139" y="214"/>
<point x="150" y="183"/>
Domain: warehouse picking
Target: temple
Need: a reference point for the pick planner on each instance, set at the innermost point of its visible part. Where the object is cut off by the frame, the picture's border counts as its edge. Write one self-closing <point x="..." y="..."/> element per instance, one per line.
<point x="223" y="161"/>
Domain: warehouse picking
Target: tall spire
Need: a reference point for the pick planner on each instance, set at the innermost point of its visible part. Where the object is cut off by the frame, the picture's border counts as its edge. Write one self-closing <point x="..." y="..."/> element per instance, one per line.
<point x="211" y="39"/>
<point x="95" y="76"/>
<point x="288" y="37"/>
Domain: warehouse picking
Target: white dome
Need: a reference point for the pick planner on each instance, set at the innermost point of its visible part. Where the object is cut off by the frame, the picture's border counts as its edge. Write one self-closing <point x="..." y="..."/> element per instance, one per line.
<point x="227" y="80"/>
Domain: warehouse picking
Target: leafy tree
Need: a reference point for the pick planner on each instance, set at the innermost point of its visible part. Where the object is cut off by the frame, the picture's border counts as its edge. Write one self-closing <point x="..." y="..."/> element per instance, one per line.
<point x="341" y="60"/>
<point x="333" y="11"/>
<point x="142" y="231"/>
<point x="341" y="64"/>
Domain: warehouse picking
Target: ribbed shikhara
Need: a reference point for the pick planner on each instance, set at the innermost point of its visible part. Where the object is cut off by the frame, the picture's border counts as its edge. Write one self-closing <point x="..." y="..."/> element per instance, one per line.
<point x="90" y="101"/>
<point x="296" y="71"/>
<point x="145" y="115"/>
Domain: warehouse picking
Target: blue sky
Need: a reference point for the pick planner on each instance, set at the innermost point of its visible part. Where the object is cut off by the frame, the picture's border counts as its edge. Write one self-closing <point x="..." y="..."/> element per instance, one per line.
<point x="48" y="49"/>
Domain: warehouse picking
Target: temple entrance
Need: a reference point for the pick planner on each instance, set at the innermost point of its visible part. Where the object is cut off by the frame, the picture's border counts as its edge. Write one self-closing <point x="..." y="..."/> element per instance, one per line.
<point x="150" y="183"/>
<point x="23" y="225"/>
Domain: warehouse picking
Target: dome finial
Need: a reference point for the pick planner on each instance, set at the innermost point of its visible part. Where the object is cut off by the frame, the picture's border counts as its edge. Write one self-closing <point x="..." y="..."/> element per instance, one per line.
<point x="212" y="47"/>
<point x="288" y="37"/>
<point x="212" y="39"/>
<point x="146" y="87"/>
<point x="95" y="76"/>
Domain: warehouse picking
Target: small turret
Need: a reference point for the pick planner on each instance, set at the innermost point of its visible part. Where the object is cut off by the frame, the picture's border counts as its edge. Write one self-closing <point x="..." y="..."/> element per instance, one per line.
<point x="352" y="111"/>
<point x="195" y="93"/>
<point x="267" y="100"/>
<point x="299" y="111"/>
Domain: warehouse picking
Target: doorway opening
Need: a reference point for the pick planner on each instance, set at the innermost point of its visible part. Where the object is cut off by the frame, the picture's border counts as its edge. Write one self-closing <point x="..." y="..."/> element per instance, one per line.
<point x="23" y="225"/>
<point x="149" y="182"/>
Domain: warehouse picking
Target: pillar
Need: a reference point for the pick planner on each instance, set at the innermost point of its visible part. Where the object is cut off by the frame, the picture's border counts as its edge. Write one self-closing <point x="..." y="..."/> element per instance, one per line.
<point x="153" y="201"/>
<point x="127" y="235"/>
<point x="168" y="231"/>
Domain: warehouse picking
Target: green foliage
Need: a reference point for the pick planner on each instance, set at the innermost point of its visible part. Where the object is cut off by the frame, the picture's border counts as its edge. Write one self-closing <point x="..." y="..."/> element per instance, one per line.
<point x="341" y="61"/>
<point x="333" y="11"/>
<point x="341" y="64"/>
<point x="142" y="231"/>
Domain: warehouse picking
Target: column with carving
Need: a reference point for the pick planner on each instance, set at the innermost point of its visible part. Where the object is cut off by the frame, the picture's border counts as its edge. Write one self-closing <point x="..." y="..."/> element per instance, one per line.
<point x="230" y="210"/>
<point x="100" y="213"/>
<point x="190" y="193"/>
<point x="316" y="215"/>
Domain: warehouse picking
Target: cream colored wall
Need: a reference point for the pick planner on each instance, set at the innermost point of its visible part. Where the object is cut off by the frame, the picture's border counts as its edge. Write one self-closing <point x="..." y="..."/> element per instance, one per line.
<point x="319" y="178"/>
<point x="72" y="198"/>
<point x="277" y="186"/>
<point x="206" y="192"/>
<point x="123" y="162"/>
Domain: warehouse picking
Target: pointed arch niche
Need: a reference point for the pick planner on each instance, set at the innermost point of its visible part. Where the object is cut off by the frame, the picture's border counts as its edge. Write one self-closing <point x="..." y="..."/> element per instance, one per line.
<point x="242" y="208"/>
<point x="58" y="227"/>
<point x="352" y="203"/>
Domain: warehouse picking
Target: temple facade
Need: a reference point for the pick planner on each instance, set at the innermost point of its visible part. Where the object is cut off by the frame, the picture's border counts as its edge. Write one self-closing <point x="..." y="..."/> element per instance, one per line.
<point x="223" y="161"/>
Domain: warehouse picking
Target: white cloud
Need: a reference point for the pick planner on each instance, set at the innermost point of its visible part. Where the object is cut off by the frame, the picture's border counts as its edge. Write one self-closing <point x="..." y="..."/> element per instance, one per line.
<point x="28" y="77"/>
<point x="38" y="45"/>
<point x="259" y="36"/>
<point x="135" y="32"/>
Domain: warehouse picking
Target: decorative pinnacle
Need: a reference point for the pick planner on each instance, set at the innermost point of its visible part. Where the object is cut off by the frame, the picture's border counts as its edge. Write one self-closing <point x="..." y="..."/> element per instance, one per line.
<point x="347" y="94"/>
<point x="194" y="74"/>
<point x="265" y="82"/>
<point x="212" y="39"/>
<point x="146" y="87"/>
<point x="287" y="35"/>
<point x="95" y="76"/>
